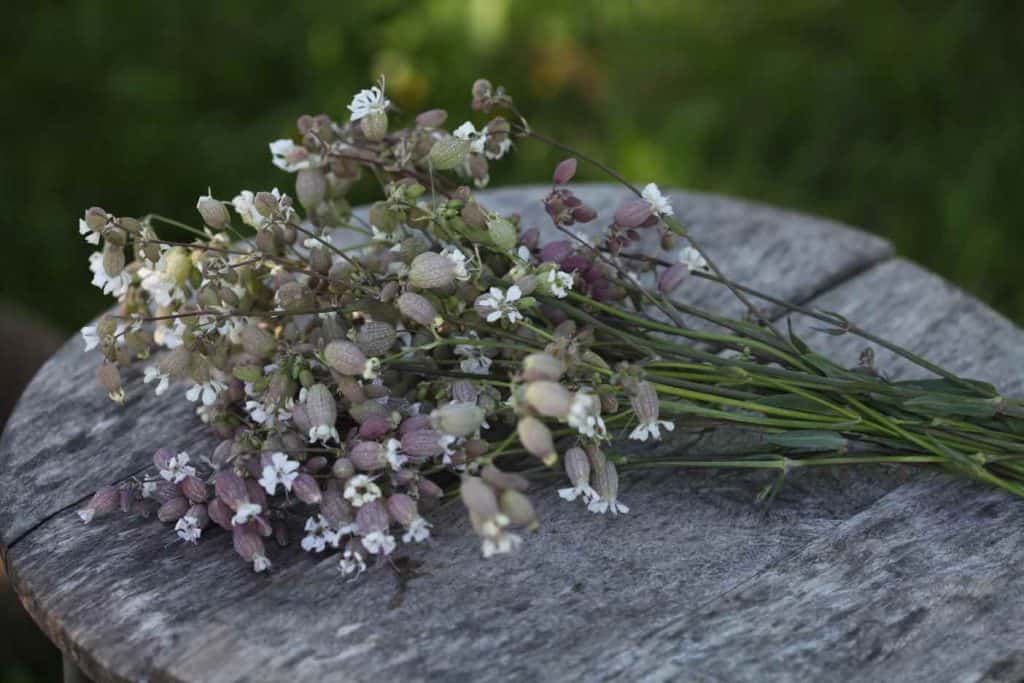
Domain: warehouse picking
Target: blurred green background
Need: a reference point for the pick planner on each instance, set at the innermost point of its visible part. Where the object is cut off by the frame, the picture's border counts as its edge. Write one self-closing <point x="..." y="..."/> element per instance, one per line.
<point x="906" y="119"/>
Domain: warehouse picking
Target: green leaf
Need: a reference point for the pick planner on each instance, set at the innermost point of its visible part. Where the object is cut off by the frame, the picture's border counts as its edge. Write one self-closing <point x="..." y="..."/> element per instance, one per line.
<point x="948" y="404"/>
<point x="248" y="373"/>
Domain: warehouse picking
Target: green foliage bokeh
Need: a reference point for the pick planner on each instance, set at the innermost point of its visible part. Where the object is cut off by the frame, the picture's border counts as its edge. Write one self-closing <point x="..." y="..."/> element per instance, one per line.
<point x="901" y="118"/>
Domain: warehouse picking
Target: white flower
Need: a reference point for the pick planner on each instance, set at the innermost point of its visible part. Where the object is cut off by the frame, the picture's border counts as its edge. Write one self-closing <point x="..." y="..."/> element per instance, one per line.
<point x="582" y="489"/>
<point x="245" y="206"/>
<point x="502" y="304"/>
<point x="352" y="563"/>
<point x="152" y="374"/>
<point x="523" y="253"/>
<point x="260" y="563"/>
<point x="458" y="259"/>
<point x="188" y="529"/>
<point x="360" y="490"/>
<point x="585" y="415"/>
<point x="379" y="543"/>
<point x="651" y="430"/>
<point x="448" y="442"/>
<point x="207" y="390"/>
<point x="90" y="337"/>
<point x="323" y="434"/>
<point x="323" y="237"/>
<point x="559" y="283"/>
<point x="418" y="531"/>
<point x="160" y="285"/>
<point x="473" y="360"/>
<point x="659" y="202"/>
<point x="319" y="535"/>
<point x="84" y="230"/>
<point x="113" y="286"/>
<point x="260" y="414"/>
<point x="281" y="470"/>
<point x="245" y="513"/>
<point x="394" y="455"/>
<point x="178" y="468"/>
<point x="692" y="259"/>
<point x="291" y="157"/>
<point x="369" y="101"/>
<point x="477" y="138"/>
<point x="599" y="506"/>
<point x="169" y="336"/>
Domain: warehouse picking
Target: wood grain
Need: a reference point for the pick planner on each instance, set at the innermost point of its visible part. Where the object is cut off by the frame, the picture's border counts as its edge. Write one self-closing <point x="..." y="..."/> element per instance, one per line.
<point x="587" y="597"/>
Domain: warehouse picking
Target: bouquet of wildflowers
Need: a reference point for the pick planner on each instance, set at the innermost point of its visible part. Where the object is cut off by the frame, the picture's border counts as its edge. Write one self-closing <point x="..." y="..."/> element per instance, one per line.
<point x="362" y="372"/>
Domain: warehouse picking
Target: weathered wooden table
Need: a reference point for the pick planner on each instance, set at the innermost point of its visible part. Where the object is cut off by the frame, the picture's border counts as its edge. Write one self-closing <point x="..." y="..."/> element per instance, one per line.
<point x="850" y="575"/>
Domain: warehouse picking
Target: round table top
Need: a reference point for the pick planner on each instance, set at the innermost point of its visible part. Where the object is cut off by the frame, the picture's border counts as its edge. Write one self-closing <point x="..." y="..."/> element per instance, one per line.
<point x="866" y="574"/>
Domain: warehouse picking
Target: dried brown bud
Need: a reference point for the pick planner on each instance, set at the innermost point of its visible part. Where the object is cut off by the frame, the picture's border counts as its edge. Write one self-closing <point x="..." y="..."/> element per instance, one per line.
<point x="632" y="213"/>
<point x="433" y="118"/>
<point x="173" y="510"/>
<point x="102" y="502"/>
<point x="343" y="468"/>
<point x="368" y="456"/>
<point x="230" y="488"/>
<point x="673" y="276"/>
<point x="257" y="341"/>
<point x="310" y="187"/>
<point x="402" y="509"/>
<point x="577" y="466"/>
<point x="194" y="489"/>
<point x="219" y="513"/>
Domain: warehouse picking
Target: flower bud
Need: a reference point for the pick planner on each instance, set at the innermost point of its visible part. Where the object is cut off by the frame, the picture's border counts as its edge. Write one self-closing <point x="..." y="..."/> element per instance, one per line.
<point x="96" y="218"/>
<point x="632" y="213"/>
<point x="402" y="509"/>
<point x="257" y="341"/>
<point x="310" y="187"/>
<point x="173" y="510"/>
<point x="565" y="171"/>
<point x="213" y="212"/>
<point x="577" y="466"/>
<point x="555" y="252"/>
<point x="194" y="489"/>
<point x="306" y="489"/>
<point x="368" y="456"/>
<point x="230" y="488"/>
<point x="374" y="427"/>
<point x="320" y="406"/>
<point x="431" y="270"/>
<point x="422" y="443"/>
<point x="372" y="516"/>
<point x="113" y="259"/>
<point x="335" y="508"/>
<point x="102" y="502"/>
<point x="503" y="233"/>
<point x="432" y="118"/>
<point x="478" y="497"/>
<point x="178" y="265"/>
<point x="249" y="547"/>
<point x="645" y="402"/>
<point x="504" y="480"/>
<point x="343" y="468"/>
<point x="417" y="308"/>
<point x="542" y="366"/>
<point x="345" y="358"/>
<point x="448" y="153"/>
<point x="375" y="338"/>
<point x="536" y="439"/>
<point x="673" y="276"/>
<point x="518" y="509"/>
<point x="219" y="513"/>
<point x="458" y="419"/>
<point x="548" y="398"/>
<point x="374" y="125"/>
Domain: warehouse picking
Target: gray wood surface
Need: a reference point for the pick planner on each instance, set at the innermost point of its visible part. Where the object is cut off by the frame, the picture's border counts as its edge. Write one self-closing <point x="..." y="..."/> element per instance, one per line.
<point x="849" y="574"/>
